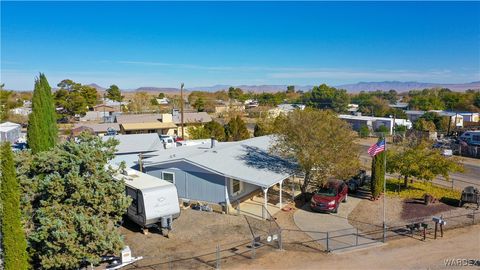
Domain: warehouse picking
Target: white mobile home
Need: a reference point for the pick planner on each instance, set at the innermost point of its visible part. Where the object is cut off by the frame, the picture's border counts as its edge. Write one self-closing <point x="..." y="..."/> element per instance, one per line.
<point x="154" y="201"/>
<point x="10" y="132"/>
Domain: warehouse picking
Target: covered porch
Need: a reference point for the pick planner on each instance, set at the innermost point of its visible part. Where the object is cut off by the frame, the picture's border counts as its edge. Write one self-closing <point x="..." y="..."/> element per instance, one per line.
<point x="269" y="200"/>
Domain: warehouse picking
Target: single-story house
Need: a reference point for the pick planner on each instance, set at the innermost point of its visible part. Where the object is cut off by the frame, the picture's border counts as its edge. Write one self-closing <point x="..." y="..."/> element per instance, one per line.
<point x="284" y="109"/>
<point x="22" y="111"/>
<point x="456" y="119"/>
<point x="104" y="108"/>
<point x="163" y="101"/>
<point x="142" y="118"/>
<point x="133" y="148"/>
<point x="190" y="119"/>
<point x="157" y="127"/>
<point x="373" y="123"/>
<point x="225" y="108"/>
<point x="10" y="132"/>
<point x="99" y="129"/>
<point x="222" y="172"/>
<point x="470" y="116"/>
<point x="96" y="116"/>
<point x="399" y="105"/>
<point x="414" y="115"/>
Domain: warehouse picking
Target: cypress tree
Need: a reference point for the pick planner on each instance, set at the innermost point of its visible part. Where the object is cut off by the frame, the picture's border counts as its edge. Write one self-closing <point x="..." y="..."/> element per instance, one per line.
<point x="42" y="124"/>
<point x="378" y="175"/>
<point x="13" y="237"/>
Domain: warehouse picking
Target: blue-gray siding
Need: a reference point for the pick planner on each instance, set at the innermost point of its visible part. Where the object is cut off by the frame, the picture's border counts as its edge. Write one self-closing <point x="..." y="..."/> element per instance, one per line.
<point x="246" y="189"/>
<point x="192" y="182"/>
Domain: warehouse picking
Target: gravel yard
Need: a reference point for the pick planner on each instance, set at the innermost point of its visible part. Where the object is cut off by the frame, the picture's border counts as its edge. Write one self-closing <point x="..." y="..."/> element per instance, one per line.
<point x="194" y="233"/>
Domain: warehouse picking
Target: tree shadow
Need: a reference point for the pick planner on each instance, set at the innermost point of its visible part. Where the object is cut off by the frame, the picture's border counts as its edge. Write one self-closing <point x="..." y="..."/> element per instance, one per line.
<point x="261" y="159"/>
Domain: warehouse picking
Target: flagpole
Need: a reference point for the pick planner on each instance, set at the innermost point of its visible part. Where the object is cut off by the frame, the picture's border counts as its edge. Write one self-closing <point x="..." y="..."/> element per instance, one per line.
<point x="384" y="187"/>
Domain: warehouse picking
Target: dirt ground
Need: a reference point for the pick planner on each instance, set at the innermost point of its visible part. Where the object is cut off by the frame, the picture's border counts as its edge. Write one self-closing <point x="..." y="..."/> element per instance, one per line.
<point x="405" y="253"/>
<point x="194" y="234"/>
<point x="368" y="215"/>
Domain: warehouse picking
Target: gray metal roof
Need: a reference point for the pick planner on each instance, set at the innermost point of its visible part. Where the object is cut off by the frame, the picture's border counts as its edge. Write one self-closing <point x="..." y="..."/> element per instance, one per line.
<point x="249" y="160"/>
<point x="138" y="118"/>
<point x="192" y="117"/>
<point x="100" y="127"/>
<point x="137" y="143"/>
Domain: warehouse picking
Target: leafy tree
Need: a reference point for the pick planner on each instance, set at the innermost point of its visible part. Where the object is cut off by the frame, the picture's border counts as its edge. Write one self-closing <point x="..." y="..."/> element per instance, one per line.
<point x="236" y="130"/>
<point x="215" y="130"/>
<point x="417" y="159"/>
<point x="378" y="174"/>
<point x="42" y="126"/>
<point x="154" y="102"/>
<point x="161" y="95"/>
<point x="209" y="130"/>
<point x="74" y="98"/>
<point x="235" y="93"/>
<point x="321" y="143"/>
<point x="199" y="104"/>
<point x="290" y="89"/>
<point x="113" y="93"/>
<point x="13" y="237"/>
<point x="424" y="125"/>
<point x="71" y="203"/>
<point x="325" y="97"/>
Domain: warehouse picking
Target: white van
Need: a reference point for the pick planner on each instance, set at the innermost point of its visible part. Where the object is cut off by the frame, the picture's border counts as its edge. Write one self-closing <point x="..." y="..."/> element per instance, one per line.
<point x="471" y="137"/>
<point x="154" y="201"/>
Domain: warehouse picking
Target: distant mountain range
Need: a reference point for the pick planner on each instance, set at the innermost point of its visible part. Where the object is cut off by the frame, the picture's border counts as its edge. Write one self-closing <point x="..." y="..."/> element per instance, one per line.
<point x="357" y="87"/>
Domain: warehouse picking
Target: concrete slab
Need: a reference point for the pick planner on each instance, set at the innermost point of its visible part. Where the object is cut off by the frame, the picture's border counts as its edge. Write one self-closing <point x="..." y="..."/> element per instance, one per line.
<point x="332" y="231"/>
<point x="253" y="207"/>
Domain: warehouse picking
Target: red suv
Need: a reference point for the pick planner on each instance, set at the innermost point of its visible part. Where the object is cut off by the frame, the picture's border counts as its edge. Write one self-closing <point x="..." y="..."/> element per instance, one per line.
<point x="328" y="197"/>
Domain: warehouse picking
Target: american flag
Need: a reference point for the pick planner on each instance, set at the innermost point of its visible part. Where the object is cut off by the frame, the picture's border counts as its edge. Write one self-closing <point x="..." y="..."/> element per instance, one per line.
<point x="376" y="148"/>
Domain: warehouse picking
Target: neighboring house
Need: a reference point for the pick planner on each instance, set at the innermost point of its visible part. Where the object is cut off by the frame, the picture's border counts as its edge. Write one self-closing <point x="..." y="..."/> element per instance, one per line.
<point x="10" y="132"/>
<point x="399" y="105"/>
<point x="104" y="108"/>
<point x="251" y="103"/>
<point x="97" y="116"/>
<point x="142" y="118"/>
<point x="157" y="127"/>
<point x="373" y="123"/>
<point x="414" y="115"/>
<point x="147" y="123"/>
<point x="131" y="146"/>
<point x="190" y="119"/>
<point x="99" y="129"/>
<point x="285" y="109"/>
<point x="456" y="120"/>
<point x="163" y="101"/>
<point x="22" y="111"/>
<point x="225" y="108"/>
<point x="222" y="172"/>
<point x="352" y="108"/>
<point x="470" y="116"/>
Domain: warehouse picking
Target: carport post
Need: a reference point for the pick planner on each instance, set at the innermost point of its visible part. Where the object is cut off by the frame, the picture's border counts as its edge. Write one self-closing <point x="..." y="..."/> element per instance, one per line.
<point x="281" y="204"/>
<point x="265" y="190"/>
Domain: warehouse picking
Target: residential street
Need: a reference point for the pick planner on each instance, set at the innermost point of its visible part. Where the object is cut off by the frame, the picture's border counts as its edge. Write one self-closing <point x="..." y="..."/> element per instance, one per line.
<point x="459" y="180"/>
<point x="405" y="253"/>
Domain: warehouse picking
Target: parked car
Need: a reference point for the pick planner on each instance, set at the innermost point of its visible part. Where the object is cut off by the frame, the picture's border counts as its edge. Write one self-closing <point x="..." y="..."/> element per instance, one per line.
<point x="470" y="195"/>
<point x="471" y="137"/>
<point x="328" y="197"/>
<point x="357" y="181"/>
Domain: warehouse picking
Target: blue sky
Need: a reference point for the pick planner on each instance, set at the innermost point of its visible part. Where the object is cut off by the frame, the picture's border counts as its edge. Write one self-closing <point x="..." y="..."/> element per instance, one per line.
<point x="136" y="44"/>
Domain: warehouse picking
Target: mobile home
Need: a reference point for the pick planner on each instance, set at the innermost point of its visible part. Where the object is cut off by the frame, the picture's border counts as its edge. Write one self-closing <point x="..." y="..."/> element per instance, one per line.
<point x="154" y="201"/>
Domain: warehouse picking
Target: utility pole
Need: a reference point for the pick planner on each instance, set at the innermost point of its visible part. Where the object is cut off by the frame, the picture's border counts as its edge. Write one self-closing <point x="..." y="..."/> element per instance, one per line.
<point x="181" y="110"/>
<point x="104" y="104"/>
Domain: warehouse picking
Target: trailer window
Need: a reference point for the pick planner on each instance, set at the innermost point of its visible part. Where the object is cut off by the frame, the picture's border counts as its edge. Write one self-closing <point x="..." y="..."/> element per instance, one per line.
<point x="167" y="176"/>
<point x="133" y="194"/>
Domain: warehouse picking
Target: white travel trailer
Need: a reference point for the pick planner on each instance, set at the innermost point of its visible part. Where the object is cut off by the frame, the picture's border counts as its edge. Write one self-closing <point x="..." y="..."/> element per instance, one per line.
<point x="154" y="201"/>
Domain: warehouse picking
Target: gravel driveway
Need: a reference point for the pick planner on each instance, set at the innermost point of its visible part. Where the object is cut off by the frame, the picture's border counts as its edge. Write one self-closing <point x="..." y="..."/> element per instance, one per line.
<point x="340" y="233"/>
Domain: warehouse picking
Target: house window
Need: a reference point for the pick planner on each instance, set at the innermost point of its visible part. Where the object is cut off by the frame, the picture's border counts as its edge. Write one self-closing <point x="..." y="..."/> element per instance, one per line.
<point x="236" y="186"/>
<point x="170" y="177"/>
